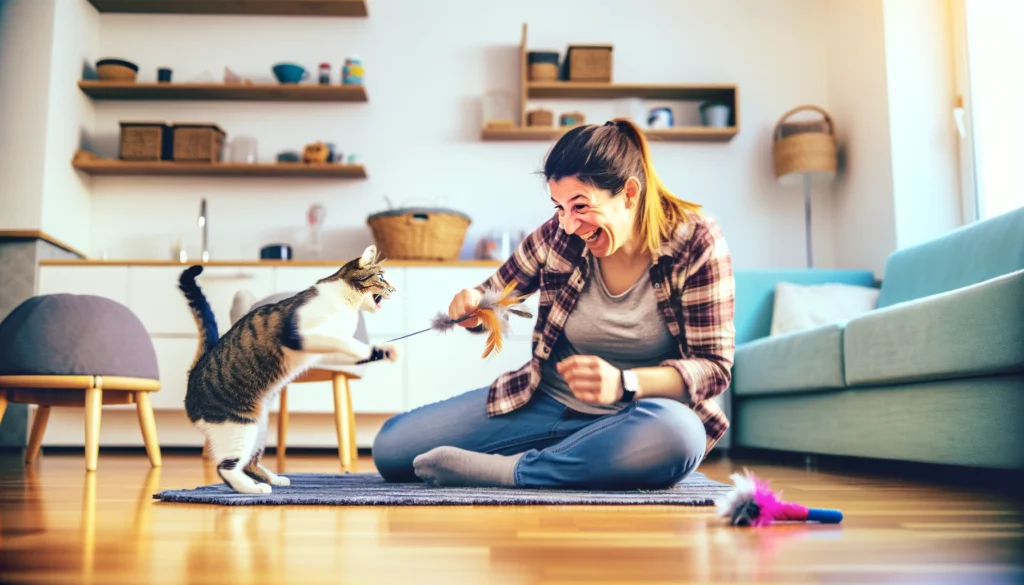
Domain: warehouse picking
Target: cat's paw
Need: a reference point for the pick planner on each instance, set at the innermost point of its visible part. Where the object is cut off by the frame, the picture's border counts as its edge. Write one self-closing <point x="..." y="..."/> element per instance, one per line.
<point x="280" y="480"/>
<point x="390" y="352"/>
<point x="254" y="488"/>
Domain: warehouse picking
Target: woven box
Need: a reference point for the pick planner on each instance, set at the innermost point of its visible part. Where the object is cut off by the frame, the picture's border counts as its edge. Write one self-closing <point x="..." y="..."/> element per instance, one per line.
<point x="540" y="117"/>
<point x="145" y="141"/>
<point x="198" y="142"/>
<point x="419" y="233"/>
<point x="589" y="63"/>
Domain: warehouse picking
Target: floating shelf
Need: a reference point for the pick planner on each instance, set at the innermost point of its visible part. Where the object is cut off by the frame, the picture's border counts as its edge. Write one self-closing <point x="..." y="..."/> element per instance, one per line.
<point x="100" y="167"/>
<point x="680" y="134"/>
<point x="578" y="90"/>
<point x="355" y="8"/>
<point x="111" y="90"/>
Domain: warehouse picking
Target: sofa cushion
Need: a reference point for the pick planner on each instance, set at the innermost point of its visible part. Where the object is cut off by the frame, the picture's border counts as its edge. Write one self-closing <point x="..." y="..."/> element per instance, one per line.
<point x="802" y="307"/>
<point x="975" y="330"/>
<point x="965" y="256"/>
<point x="802" y="361"/>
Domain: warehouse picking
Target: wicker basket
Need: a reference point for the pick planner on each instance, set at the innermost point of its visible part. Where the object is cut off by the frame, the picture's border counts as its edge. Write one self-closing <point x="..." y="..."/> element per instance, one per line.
<point x="145" y="141"/>
<point x="589" y="63"/>
<point x="540" y="117"/>
<point x="415" y="233"/>
<point x="198" y="143"/>
<point x="804" y="147"/>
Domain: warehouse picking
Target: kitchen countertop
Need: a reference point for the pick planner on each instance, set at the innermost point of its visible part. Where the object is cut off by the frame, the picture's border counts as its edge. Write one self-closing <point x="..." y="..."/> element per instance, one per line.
<point x="298" y="263"/>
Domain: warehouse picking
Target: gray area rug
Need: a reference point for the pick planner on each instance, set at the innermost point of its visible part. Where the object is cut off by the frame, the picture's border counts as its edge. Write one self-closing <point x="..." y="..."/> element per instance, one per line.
<point x="369" y="489"/>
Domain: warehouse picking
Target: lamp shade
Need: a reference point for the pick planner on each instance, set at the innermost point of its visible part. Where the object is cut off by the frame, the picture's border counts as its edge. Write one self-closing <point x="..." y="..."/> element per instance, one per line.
<point x="804" y="148"/>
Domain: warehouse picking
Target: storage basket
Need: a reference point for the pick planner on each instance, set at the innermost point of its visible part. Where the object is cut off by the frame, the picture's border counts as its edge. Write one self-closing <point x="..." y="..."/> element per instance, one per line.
<point x="543" y="65"/>
<point x="806" y="146"/>
<point x="145" y="141"/>
<point x="540" y="117"/>
<point x="419" y="233"/>
<point x="589" y="63"/>
<point x="198" y="142"/>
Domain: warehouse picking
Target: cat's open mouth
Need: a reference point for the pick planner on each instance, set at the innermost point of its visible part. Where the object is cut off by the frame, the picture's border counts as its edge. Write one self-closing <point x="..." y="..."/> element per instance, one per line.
<point x="377" y="300"/>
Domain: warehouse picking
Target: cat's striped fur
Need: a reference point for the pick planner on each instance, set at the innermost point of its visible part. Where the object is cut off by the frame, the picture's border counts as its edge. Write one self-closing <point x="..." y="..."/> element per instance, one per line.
<point x="234" y="377"/>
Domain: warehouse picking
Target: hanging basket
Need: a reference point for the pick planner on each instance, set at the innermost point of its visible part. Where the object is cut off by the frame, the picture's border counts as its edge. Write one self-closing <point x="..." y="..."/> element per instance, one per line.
<point x="806" y="146"/>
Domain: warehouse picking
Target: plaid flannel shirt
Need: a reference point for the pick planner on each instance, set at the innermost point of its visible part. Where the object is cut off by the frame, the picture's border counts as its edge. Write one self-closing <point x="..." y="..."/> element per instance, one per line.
<point x="692" y="280"/>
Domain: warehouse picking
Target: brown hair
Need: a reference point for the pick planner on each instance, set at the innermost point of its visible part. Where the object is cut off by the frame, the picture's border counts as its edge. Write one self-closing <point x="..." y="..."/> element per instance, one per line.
<point x="606" y="157"/>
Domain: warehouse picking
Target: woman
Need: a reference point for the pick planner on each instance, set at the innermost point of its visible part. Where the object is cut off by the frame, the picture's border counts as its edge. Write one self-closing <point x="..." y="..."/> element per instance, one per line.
<point x="634" y="337"/>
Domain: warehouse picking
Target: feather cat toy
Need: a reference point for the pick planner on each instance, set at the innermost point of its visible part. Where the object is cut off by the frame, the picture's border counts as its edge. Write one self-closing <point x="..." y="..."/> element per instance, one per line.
<point x="752" y="503"/>
<point x="495" y="307"/>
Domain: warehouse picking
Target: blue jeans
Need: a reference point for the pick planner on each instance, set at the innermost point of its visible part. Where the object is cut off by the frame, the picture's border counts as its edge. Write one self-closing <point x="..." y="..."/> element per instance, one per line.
<point x="653" y="443"/>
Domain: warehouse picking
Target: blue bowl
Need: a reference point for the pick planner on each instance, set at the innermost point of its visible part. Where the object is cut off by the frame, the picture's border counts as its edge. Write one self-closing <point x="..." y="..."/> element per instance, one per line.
<point x="290" y="73"/>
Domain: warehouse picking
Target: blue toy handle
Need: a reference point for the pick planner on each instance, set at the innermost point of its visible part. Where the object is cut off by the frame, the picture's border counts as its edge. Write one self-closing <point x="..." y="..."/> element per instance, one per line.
<point x="824" y="516"/>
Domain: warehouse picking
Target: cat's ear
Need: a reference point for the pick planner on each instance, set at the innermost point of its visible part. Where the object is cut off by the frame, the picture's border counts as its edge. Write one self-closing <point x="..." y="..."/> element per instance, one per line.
<point x="369" y="256"/>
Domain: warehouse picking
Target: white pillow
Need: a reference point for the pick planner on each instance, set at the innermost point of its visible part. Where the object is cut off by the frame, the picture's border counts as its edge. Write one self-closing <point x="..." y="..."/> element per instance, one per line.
<point x="802" y="307"/>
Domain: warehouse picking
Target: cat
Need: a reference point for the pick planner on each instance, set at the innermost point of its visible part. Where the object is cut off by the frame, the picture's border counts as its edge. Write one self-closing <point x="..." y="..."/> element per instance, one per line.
<point x="233" y="378"/>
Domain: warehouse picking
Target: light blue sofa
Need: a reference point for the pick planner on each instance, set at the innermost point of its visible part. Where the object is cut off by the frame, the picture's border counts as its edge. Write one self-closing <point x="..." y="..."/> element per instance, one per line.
<point x="935" y="374"/>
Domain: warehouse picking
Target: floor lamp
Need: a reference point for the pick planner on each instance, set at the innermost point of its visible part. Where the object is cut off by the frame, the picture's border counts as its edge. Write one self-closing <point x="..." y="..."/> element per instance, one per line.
<point x="802" y="151"/>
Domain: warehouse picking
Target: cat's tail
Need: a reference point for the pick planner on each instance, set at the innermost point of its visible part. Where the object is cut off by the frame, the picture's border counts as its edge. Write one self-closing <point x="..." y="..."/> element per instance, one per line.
<point x="201" y="310"/>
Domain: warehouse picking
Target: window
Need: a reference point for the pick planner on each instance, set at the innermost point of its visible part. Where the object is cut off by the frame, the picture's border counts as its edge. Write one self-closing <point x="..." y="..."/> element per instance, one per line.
<point x="990" y="117"/>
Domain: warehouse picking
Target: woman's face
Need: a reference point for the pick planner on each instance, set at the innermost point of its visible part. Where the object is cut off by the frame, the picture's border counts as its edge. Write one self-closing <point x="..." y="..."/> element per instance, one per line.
<point x="604" y="222"/>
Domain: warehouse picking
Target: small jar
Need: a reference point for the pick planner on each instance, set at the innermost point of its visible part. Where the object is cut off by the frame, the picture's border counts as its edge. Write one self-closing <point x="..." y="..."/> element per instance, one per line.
<point x="352" y="71"/>
<point x="325" y="73"/>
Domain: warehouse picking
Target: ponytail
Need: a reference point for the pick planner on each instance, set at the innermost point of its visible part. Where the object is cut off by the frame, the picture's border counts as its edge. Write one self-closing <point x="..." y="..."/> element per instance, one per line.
<point x="609" y="155"/>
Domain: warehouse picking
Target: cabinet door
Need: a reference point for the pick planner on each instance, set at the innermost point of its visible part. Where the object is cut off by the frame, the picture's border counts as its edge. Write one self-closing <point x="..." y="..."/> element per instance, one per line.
<point x="440" y="368"/>
<point x="104" y="281"/>
<point x="389" y="322"/>
<point x="379" y="391"/>
<point x="173" y="357"/>
<point x="431" y="290"/>
<point x="156" y="299"/>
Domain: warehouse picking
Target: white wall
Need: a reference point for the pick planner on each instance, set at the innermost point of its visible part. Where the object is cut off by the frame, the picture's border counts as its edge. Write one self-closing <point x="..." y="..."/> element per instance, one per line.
<point x="26" y="35"/>
<point x="66" y="192"/>
<point x="863" y="215"/>
<point x="919" y="74"/>
<point x="419" y="133"/>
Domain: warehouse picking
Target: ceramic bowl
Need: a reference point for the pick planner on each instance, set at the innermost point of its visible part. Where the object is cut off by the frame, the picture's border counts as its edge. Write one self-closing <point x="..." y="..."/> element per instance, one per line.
<point x="290" y="73"/>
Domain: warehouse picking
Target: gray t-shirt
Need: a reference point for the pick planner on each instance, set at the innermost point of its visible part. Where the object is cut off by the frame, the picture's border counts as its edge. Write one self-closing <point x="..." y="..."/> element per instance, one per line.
<point x="625" y="330"/>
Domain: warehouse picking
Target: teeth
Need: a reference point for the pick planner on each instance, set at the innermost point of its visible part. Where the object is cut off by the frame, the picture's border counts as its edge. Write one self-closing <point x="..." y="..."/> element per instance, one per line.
<point x="592" y="235"/>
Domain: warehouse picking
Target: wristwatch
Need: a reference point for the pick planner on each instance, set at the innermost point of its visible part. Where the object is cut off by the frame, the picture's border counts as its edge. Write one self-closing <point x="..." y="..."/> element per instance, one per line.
<point x="630" y="385"/>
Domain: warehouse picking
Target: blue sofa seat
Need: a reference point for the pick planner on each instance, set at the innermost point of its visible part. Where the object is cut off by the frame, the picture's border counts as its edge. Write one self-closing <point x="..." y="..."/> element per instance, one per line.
<point x="934" y="374"/>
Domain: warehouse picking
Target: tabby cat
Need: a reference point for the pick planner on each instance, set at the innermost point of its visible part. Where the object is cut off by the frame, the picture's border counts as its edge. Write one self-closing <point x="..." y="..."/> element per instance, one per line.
<point x="233" y="378"/>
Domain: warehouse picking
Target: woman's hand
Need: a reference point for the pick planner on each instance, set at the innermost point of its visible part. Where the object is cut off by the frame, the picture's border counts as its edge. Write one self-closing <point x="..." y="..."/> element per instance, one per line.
<point x="591" y="379"/>
<point x="465" y="302"/>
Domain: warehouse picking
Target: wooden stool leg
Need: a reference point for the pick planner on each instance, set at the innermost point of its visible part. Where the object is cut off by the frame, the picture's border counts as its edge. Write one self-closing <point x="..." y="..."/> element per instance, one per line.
<point x="352" y="428"/>
<point x="93" y="412"/>
<point x="282" y="430"/>
<point x="144" y="408"/>
<point x="341" y="420"/>
<point x="35" y="440"/>
<point x="3" y="403"/>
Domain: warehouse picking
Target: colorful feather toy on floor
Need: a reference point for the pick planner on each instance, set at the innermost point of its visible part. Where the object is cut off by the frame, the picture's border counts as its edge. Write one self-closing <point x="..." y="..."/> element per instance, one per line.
<point x="493" y="311"/>
<point x="752" y="503"/>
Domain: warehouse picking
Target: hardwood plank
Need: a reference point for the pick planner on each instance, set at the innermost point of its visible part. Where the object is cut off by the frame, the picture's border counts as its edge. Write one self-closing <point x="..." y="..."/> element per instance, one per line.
<point x="111" y="90"/>
<point x="652" y="91"/>
<point x="49" y="513"/>
<point x="119" y="168"/>
<point x="681" y="134"/>
<point x="353" y="8"/>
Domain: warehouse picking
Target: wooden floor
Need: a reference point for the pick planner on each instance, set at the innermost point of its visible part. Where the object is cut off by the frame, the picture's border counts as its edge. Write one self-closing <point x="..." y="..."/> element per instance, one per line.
<point x="59" y="524"/>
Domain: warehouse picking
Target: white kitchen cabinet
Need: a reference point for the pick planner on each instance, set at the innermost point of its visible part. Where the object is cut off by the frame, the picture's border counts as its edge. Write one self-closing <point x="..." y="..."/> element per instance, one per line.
<point x="104" y="281"/>
<point x="443" y="367"/>
<point x="155" y="297"/>
<point x="390" y="321"/>
<point x="173" y="357"/>
<point x="380" y="391"/>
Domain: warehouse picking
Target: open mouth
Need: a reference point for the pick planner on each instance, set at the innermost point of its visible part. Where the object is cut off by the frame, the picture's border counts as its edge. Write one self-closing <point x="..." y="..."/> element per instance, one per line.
<point x="377" y="300"/>
<point x="592" y="236"/>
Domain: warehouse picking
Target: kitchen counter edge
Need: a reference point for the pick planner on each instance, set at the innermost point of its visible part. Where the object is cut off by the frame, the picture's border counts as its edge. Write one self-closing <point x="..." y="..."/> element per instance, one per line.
<point x="274" y="263"/>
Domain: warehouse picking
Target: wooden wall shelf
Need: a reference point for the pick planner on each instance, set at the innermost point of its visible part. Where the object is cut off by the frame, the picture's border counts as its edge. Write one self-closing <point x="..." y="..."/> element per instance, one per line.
<point x="117" y="168"/>
<point x="680" y="134"/>
<point x="109" y="90"/>
<point x="578" y="90"/>
<point x="356" y="8"/>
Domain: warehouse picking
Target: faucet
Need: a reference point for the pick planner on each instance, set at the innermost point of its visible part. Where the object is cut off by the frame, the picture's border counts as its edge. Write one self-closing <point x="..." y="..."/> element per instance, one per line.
<point x="203" y="223"/>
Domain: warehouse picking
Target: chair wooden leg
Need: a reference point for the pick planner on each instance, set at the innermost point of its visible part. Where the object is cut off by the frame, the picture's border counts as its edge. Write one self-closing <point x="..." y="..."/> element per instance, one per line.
<point x="93" y="412"/>
<point x="3" y="403"/>
<point x="282" y="430"/>
<point x="35" y="440"/>
<point x="341" y="420"/>
<point x="147" y="423"/>
<point x="352" y="429"/>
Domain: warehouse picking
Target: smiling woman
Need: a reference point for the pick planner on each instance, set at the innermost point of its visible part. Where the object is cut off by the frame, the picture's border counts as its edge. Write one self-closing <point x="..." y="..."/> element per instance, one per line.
<point x="634" y="338"/>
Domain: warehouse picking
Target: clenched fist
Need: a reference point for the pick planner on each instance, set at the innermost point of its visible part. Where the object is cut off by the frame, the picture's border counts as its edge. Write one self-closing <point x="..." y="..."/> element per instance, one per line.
<point x="466" y="301"/>
<point x="591" y="379"/>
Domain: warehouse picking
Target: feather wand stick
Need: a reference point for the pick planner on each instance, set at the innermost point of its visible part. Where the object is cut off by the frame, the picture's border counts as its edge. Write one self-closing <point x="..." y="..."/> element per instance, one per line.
<point x="493" y="311"/>
<point x="753" y="503"/>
